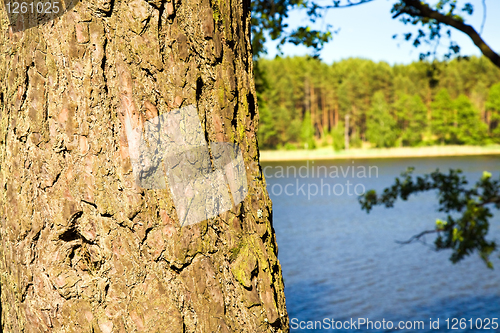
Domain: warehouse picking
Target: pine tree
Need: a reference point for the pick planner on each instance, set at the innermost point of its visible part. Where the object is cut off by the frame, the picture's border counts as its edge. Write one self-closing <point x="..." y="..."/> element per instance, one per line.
<point x="493" y="108"/>
<point x="338" y="138"/>
<point x="443" y="117"/>
<point x="412" y="119"/>
<point x="470" y="129"/>
<point x="307" y="132"/>
<point x="381" y="126"/>
<point x="267" y="134"/>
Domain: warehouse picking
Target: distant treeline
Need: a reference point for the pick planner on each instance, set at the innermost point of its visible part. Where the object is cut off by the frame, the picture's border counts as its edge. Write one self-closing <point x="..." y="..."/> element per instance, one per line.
<point x="304" y="102"/>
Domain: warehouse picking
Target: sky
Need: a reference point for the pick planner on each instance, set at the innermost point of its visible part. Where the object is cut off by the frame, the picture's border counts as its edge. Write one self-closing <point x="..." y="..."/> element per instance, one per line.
<point x="366" y="31"/>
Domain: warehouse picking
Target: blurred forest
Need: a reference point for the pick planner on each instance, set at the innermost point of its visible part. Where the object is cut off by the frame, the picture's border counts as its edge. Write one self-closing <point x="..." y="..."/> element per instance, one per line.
<point x="304" y="103"/>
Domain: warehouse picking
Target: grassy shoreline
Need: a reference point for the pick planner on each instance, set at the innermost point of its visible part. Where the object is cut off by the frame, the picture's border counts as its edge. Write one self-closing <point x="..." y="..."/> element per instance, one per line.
<point x="327" y="153"/>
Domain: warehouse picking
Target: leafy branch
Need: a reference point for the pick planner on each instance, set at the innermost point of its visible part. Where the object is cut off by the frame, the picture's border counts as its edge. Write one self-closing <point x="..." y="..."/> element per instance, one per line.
<point x="268" y="21"/>
<point x="468" y="209"/>
<point x="444" y="13"/>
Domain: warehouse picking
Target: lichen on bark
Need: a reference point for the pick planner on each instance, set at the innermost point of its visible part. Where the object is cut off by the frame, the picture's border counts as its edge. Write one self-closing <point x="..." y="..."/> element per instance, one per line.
<point x="83" y="248"/>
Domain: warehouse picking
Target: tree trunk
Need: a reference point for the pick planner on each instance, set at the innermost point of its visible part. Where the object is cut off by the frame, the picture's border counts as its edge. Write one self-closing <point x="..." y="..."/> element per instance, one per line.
<point x="336" y="113"/>
<point x="488" y="121"/>
<point x="324" y="112"/>
<point x="346" y="132"/>
<point x="83" y="247"/>
<point x="312" y="107"/>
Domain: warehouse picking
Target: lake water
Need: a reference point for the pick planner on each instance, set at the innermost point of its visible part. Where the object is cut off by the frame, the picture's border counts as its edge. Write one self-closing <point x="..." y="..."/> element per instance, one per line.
<point x="341" y="263"/>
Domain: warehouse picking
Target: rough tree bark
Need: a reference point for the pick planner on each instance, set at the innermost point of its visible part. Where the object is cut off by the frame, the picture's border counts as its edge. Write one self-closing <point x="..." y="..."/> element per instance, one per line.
<point x="83" y="248"/>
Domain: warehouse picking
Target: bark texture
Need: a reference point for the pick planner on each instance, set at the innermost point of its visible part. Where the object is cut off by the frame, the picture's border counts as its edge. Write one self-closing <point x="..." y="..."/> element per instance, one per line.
<point x="83" y="248"/>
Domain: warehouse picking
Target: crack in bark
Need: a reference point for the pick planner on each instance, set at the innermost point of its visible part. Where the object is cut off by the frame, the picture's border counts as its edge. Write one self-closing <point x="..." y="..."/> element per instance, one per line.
<point x="26" y="85"/>
<point x="187" y="263"/>
<point x="106" y="215"/>
<point x="146" y="25"/>
<point x="103" y="66"/>
<point x="58" y="175"/>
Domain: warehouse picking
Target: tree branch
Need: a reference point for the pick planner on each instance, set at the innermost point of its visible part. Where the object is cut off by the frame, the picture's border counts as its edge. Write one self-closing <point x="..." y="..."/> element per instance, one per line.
<point x="336" y="4"/>
<point x="417" y="237"/>
<point x="416" y="8"/>
<point x="484" y="17"/>
<point x="495" y="200"/>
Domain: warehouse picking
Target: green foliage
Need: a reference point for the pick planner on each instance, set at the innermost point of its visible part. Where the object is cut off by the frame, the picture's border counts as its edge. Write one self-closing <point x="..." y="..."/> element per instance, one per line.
<point x="493" y="107"/>
<point x="412" y="92"/>
<point x="429" y="21"/>
<point x="412" y="119"/>
<point x="338" y="137"/>
<point x="268" y="21"/>
<point x="443" y="118"/>
<point x="380" y="124"/>
<point x="267" y="133"/>
<point x="470" y="129"/>
<point x="307" y="132"/>
<point x="468" y="211"/>
<point x="355" y="141"/>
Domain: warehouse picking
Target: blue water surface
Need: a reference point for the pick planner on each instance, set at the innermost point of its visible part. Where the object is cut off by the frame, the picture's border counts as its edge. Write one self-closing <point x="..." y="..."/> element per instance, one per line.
<point x="341" y="263"/>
